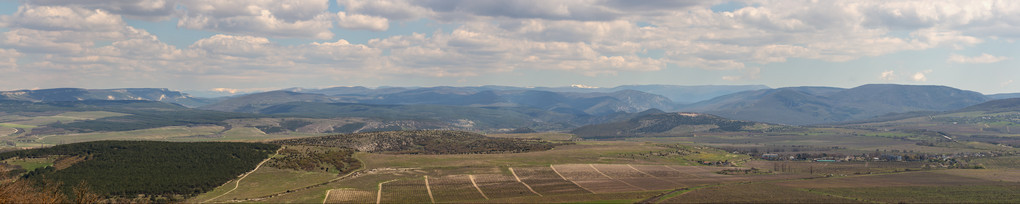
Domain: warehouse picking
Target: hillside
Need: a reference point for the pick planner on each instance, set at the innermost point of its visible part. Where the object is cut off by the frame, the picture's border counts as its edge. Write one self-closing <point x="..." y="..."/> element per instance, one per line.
<point x="423" y="142"/>
<point x="252" y="103"/>
<point x="133" y="115"/>
<point x="157" y="170"/>
<point x="676" y="93"/>
<point x="817" y="105"/>
<point x="675" y="124"/>
<point x="1001" y="105"/>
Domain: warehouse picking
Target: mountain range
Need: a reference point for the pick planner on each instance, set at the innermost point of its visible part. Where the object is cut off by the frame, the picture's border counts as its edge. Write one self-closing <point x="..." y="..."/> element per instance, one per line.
<point x="819" y="105"/>
<point x="551" y="108"/>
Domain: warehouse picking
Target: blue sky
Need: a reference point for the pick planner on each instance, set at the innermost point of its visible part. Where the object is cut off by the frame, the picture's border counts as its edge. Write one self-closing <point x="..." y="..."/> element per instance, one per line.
<point x="249" y="45"/>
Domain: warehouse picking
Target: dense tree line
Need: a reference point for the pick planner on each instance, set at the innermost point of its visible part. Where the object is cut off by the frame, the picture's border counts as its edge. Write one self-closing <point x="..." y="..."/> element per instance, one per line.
<point x="317" y="159"/>
<point x="424" y="142"/>
<point x="657" y="123"/>
<point x="291" y="125"/>
<point x="164" y="169"/>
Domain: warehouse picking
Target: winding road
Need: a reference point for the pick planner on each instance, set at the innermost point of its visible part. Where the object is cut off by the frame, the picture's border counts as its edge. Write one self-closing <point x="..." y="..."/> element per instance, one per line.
<point x="238" y="183"/>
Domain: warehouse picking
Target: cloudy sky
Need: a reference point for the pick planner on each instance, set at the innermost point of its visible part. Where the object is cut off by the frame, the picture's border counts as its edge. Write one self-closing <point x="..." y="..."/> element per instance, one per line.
<point x="270" y="44"/>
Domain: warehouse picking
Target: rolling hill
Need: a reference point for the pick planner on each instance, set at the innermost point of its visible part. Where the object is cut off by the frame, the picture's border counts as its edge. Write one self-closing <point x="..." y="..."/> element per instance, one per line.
<point x="660" y="124"/>
<point x="817" y="105"/>
<point x="423" y="142"/>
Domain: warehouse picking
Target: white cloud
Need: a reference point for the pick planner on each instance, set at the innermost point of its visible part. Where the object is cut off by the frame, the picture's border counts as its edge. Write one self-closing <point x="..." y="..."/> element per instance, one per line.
<point x="888" y="75"/>
<point x="289" y="19"/>
<point x="984" y="58"/>
<point x="59" y="18"/>
<point x="364" y="22"/>
<point x="920" y="76"/>
<point x="1006" y="83"/>
<point x="9" y="59"/>
<point x="140" y="9"/>
<point x="237" y="46"/>
<point x="585" y="37"/>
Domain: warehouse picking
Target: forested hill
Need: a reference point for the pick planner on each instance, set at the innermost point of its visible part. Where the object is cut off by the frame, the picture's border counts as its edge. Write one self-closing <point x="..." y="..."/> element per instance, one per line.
<point x="158" y="170"/>
<point x="424" y="142"/>
<point x="662" y="123"/>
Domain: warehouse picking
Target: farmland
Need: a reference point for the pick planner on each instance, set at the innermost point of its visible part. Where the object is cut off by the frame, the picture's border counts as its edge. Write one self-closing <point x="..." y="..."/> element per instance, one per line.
<point x="804" y="164"/>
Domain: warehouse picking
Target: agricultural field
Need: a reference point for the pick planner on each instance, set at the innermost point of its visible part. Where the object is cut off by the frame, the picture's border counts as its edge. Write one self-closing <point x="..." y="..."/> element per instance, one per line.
<point x="753" y="193"/>
<point x="30" y="164"/>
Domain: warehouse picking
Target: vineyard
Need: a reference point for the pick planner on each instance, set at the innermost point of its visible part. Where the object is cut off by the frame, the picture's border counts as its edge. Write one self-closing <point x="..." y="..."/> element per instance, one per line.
<point x="548" y="182"/>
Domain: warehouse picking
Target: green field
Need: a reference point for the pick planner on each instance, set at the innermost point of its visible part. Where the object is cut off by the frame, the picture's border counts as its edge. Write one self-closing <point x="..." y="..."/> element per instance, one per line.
<point x="30" y="163"/>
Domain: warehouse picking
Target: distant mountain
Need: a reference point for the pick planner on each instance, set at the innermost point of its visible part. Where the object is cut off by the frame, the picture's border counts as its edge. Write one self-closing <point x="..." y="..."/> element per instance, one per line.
<point x="658" y="124"/>
<point x="816" y="105"/>
<point x="252" y="103"/>
<point x="691" y="94"/>
<point x="1001" y="105"/>
<point x="1003" y="96"/>
<point x="473" y="118"/>
<point x="593" y="103"/>
<point x="676" y="93"/>
<point x="76" y="94"/>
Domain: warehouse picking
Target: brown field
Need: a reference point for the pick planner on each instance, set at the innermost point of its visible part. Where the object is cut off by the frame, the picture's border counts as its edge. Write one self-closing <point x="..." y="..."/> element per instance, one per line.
<point x="650" y="183"/>
<point x="405" y="191"/>
<point x="578" y="172"/>
<point x="1004" y="175"/>
<point x="501" y="186"/>
<point x="607" y="186"/>
<point x="453" y="188"/>
<point x="754" y="193"/>
<point x="662" y="171"/>
<point x="988" y="193"/>
<point x="887" y="180"/>
<point x="546" y="182"/>
<point x="619" y="171"/>
<point x="347" y="195"/>
<point x="835" y="168"/>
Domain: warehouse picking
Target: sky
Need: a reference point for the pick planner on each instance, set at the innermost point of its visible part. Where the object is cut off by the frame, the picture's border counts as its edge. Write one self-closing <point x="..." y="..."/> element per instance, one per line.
<point x="255" y="45"/>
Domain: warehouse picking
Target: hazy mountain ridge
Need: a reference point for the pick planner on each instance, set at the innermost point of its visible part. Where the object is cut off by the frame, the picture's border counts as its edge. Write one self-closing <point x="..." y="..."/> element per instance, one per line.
<point x="816" y="105"/>
<point x="77" y="94"/>
<point x="660" y="124"/>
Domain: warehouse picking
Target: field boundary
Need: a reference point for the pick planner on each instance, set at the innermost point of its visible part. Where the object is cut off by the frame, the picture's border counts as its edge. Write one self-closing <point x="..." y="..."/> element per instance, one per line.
<point x="682" y="172"/>
<point x="245" y="175"/>
<point x="327" y="196"/>
<point x="571" y="181"/>
<point x="378" y="195"/>
<point x="611" y="178"/>
<point x="472" y="177"/>
<point x="639" y="171"/>
<point x="429" y="189"/>
<point x="522" y="182"/>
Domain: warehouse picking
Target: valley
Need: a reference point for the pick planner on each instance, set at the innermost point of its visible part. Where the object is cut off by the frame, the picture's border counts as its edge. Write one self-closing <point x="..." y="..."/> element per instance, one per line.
<point x="505" y="149"/>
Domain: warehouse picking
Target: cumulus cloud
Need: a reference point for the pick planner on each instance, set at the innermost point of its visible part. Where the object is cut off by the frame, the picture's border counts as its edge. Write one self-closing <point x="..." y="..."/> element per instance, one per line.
<point x="888" y="75"/>
<point x="920" y="76"/>
<point x="984" y="58"/>
<point x="9" y="59"/>
<point x="289" y="19"/>
<point x="585" y="37"/>
<point x="141" y="9"/>
<point x="364" y="22"/>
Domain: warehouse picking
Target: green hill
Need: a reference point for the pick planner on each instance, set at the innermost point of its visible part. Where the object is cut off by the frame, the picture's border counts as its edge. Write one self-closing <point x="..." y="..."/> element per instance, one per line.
<point x="423" y="142"/>
<point x="675" y="124"/>
<point x="159" y="170"/>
